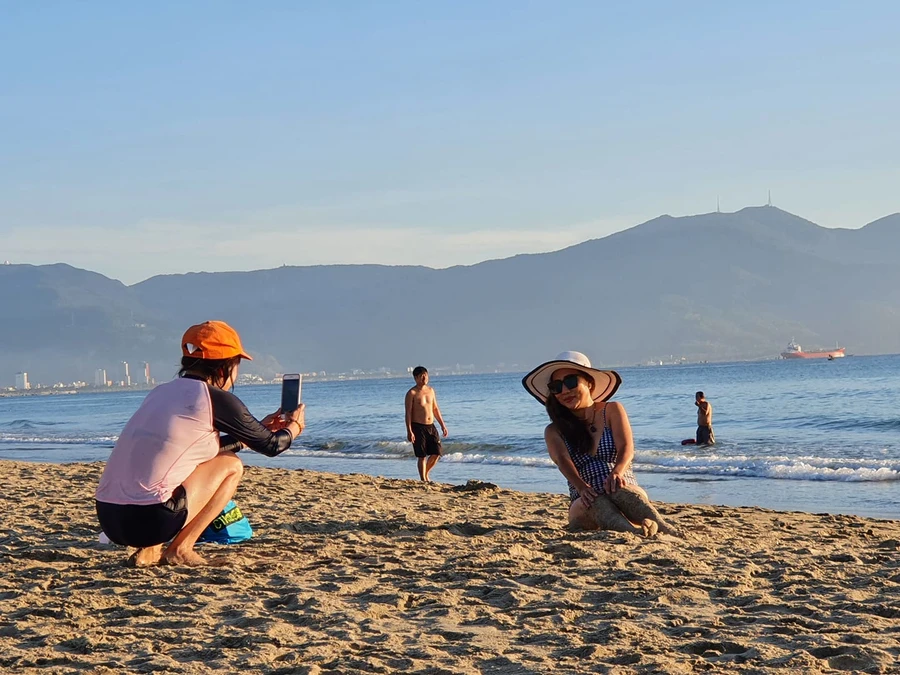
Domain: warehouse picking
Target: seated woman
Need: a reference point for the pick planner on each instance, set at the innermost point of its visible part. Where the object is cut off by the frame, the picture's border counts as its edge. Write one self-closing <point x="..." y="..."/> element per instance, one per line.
<point x="590" y="440"/>
<point x="170" y="473"/>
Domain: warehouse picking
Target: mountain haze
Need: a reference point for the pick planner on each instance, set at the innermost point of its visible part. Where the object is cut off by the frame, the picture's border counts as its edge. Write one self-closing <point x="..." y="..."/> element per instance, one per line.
<point x="714" y="287"/>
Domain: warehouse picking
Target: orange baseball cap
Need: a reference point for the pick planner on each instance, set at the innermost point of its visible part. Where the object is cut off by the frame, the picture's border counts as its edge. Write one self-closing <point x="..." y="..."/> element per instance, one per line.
<point x="212" y="340"/>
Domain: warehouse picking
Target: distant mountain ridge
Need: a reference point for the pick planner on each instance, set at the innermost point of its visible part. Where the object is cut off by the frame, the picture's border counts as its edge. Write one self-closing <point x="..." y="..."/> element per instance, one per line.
<point x="716" y="286"/>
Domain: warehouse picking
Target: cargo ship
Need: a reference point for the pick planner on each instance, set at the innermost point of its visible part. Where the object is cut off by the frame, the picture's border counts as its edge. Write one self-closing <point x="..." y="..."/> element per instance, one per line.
<point x="795" y="351"/>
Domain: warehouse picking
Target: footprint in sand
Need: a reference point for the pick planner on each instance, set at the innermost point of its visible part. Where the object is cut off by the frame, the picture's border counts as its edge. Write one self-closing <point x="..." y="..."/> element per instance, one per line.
<point x="468" y="529"/>
<point x="853" y="659"/>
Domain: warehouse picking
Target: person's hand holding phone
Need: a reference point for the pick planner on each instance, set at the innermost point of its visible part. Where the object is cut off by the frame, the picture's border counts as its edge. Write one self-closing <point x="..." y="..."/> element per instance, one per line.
<point x="274" y="422"/>
<point x="296" y="419"/>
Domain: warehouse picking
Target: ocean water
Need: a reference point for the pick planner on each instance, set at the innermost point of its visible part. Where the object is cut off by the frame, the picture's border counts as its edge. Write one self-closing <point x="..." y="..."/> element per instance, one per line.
<point x="817" y="436"/>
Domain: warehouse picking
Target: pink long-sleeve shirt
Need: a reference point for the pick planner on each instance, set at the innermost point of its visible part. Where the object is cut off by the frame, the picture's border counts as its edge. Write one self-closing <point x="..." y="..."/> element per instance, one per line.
<point x="166" y="439"/>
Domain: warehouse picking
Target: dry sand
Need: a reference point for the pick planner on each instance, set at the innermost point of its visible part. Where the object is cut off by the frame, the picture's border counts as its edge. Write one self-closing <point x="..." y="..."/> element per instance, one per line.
<point x="354" y="574"/>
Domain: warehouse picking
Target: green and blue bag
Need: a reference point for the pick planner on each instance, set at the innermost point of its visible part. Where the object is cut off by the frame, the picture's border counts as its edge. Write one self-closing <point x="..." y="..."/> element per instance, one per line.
<point x="230" y="527"/>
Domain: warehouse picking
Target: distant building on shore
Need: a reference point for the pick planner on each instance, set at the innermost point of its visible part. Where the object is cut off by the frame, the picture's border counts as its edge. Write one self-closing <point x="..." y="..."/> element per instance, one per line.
<point x="147" y="378"/>
<point x="126" y="375"/>
<point x="100" y="378"/>
<point x="22" y="381"/>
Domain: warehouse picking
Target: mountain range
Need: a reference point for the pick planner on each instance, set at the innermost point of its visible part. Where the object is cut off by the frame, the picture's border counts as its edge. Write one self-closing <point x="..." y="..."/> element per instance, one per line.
<point x="718" y="286"/>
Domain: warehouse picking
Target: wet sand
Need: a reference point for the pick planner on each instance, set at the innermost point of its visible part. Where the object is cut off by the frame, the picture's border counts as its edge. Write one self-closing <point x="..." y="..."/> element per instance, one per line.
<point x="350" y="573"/>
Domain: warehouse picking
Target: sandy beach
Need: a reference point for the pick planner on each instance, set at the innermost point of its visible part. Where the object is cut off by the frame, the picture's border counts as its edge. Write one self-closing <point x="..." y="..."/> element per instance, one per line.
<point x="353" y="574"/>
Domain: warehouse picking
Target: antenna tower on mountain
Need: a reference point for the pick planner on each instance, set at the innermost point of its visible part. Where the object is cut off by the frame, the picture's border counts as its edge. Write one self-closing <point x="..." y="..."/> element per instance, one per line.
<point x="718" y="210"/>
<point x="769" y="203"/>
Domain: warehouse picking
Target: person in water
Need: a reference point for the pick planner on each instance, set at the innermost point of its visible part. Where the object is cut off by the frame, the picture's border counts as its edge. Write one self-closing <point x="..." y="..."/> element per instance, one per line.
<point x="705" y="435"/>
<point x="171" y="473"/>
<point x="421" y="412"/>
<point x="590" y="441"/>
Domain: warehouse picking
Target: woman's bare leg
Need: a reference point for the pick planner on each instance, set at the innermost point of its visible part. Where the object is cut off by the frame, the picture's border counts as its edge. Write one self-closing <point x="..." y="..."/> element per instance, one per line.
<point x="635" y="505"/>
<point x="208" y="490"/>
<point x="601" y="515"/>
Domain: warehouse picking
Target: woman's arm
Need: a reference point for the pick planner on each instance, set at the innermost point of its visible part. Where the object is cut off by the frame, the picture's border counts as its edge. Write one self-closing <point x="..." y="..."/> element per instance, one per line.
<point x="556" y="447"/>
<point x="231" y="417"/>
<point x="621" y="430"/>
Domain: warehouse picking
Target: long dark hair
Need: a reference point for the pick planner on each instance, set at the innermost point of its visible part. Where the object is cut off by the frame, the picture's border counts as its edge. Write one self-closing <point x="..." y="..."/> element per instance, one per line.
<point x="570" y="427"/>
<point x="214" y="371"/>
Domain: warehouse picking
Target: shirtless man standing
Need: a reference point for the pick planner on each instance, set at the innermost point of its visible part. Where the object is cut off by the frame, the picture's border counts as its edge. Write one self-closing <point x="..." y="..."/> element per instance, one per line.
<point x="421" y="412"/>
<point x="705" y="434"/>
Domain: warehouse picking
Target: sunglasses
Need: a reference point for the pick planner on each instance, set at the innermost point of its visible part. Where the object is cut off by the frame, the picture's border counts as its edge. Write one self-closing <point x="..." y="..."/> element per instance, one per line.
<point x="569" y="381"/>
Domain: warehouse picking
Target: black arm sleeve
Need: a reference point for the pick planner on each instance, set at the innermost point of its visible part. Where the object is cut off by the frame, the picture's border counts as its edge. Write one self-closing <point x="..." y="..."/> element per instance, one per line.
<point x="231" y="417"/>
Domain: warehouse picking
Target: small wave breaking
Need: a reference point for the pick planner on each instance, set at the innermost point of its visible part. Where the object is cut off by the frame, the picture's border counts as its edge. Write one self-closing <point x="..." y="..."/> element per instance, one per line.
<point x="29" y="439"/>
<point x="737" y="466"/>
<point x="27" y="424"/>
<point x="780" y="467"/>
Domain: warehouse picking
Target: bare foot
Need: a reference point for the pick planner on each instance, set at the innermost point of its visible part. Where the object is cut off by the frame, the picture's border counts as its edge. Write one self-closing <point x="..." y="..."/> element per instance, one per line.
<point x="187" y="557"/>
<point x="649" y="527"/>
<point x="145" y="557"/>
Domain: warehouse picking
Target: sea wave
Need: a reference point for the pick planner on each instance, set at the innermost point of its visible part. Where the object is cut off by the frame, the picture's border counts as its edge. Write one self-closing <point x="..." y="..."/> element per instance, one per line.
<point x="28" y="424"/>
<point x="328" y="454"/>
<point x="57" y="440"/>
<point x="402" y="448"/>
<point x="687" y="462"/>
<point x="844" y="424"/>
<point x="780" y="467"/>
<point x="743" y="466"/>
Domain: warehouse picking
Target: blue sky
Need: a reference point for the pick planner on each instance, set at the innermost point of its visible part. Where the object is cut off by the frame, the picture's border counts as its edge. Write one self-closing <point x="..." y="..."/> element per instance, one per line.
<point x="147" y="138"/>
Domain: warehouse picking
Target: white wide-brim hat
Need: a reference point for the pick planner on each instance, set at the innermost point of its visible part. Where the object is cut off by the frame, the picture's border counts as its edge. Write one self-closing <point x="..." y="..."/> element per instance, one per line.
<point x="605" y="381"/>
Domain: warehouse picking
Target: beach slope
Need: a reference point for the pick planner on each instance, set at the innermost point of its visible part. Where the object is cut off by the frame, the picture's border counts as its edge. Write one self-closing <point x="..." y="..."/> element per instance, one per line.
<point x="359" y="574"/>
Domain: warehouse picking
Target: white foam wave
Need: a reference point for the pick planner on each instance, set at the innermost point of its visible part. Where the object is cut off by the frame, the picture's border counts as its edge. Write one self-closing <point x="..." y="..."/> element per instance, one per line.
<point x="57" y="440"/>
<point x="784" y="468"/>
<point x="472" y="458"/>
<point x="779" y="467"/>
<point x="301" y="452"/>
<point x="397" y="446"/>
<point x="455" y="457"/>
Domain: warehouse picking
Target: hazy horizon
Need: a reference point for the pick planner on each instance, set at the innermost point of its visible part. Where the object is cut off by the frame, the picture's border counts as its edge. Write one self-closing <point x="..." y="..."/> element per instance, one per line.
<point x="558" y="247"/>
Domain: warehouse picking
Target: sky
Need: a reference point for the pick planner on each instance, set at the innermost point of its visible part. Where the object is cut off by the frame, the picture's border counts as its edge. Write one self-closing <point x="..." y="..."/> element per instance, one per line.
<point x="155" y="138"/>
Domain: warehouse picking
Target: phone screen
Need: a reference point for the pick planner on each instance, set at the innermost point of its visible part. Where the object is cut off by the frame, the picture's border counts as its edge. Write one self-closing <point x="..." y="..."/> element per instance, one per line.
<point x="290" y="392"/>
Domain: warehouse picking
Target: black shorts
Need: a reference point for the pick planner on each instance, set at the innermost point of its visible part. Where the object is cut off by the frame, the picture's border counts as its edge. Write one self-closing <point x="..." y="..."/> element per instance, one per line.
<point x="143" y="526"/>
<point x="427" y="440"/>
<point x="705" y="435"/>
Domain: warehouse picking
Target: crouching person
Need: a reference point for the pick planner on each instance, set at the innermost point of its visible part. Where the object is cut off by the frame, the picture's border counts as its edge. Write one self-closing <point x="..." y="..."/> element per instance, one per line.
<point x="172" y="471"/>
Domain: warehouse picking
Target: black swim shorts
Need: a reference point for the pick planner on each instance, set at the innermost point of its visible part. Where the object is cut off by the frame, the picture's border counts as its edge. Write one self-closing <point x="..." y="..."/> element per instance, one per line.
<point x="143" y="526"/>
<point x="427" y="440"/>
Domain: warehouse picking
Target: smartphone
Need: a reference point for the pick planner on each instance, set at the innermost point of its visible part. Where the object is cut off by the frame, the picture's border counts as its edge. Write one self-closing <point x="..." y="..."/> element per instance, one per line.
<point x="290" y="392"/>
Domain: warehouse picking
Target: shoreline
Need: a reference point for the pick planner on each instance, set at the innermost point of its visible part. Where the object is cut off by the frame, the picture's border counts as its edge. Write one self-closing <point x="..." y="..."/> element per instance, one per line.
<point x="350" y="573"/>
<point x="867" y="499"/>
<point x="872" y="499"/>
